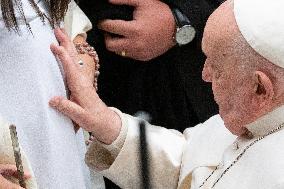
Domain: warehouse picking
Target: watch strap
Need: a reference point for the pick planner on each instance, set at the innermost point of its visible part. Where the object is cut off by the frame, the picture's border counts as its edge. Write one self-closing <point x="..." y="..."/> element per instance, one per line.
<point x="180" y="18"/>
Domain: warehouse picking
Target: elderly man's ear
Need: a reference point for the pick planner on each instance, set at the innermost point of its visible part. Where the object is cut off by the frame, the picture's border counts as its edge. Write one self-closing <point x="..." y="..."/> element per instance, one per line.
<point x="263" y="89"/>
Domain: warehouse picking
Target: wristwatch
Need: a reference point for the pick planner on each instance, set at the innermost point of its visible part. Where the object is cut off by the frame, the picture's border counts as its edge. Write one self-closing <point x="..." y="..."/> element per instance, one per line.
<point x="185" y="32"/>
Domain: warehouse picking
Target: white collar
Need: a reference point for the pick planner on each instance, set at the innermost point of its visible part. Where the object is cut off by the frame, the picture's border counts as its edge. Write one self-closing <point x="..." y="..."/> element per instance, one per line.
<point x="267" y="122"/>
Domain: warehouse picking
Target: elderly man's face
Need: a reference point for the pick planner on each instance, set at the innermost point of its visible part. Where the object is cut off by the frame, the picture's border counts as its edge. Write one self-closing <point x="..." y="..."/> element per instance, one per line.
<point x="230" y="85"/>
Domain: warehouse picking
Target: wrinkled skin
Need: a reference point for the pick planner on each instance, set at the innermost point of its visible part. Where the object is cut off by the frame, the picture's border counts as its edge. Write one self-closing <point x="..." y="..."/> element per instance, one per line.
<point x="147" y="36"/>
<point x="240" y="81"/>
<point x="84" y="107"/>
<point x="230" y="88"/>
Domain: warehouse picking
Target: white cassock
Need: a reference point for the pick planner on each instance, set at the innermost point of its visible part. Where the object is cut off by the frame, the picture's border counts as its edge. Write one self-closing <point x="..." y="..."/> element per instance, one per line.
<point x="30" y="76"/>
<point x="75" y="23"/>
<point x="187" y="160"/>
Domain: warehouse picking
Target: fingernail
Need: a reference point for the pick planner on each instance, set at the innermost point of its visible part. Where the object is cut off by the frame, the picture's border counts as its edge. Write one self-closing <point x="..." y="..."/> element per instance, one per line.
<point x="52" y="48"/>
<point x="53" y="102"/>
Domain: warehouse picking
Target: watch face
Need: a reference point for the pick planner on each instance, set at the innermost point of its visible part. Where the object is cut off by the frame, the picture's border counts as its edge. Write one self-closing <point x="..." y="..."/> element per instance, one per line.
<point x="185" y="34"/>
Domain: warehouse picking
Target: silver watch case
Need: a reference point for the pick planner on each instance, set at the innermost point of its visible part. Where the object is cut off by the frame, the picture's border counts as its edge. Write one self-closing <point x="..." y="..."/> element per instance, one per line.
<point x="185" y="34"/>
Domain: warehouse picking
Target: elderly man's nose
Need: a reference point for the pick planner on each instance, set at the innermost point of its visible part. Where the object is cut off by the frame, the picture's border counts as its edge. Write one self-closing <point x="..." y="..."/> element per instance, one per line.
<point x="207" y="73"/>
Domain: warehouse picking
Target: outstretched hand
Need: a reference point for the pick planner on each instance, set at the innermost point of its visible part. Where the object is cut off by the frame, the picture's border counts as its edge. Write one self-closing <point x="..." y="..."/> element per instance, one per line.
<point x="84" y="107"/>
<point x="7" y="170"/>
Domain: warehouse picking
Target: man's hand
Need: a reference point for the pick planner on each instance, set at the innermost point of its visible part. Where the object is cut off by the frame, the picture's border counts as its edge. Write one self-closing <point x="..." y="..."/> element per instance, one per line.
<point x="147" y="36"/>
<point x="7" y="170"/>
<point x="84" y="107"/>
<point x="90" y="67"/>
<point x="87" y="59"/>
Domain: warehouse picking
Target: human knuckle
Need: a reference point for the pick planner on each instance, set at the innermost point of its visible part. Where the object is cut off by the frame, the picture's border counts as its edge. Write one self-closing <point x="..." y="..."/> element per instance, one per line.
<point x="65" y="38"/>
<point x="61" y="50"/>
<point x="61" y="105"/>
<point x="108" y="43"/>
<point x="139" y="46"/>
<point x="136" y="30"/>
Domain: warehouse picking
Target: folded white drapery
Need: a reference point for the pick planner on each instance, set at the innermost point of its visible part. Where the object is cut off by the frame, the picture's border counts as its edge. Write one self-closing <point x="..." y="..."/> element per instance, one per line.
<point x="76" y="22"/>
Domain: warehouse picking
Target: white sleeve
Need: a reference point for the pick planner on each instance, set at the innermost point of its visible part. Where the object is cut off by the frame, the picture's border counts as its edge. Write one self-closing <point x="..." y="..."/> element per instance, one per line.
<point x="165" y="150"/>
<point x="279" y="184"/>
<point x="173" y="157"/>
<point x="76" y="22"/>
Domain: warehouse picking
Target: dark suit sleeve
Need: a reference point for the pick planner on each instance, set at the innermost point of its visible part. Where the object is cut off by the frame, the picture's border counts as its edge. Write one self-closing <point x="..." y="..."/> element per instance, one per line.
<point x="170" y="86"/>
<point x="191" y="59"/>
<point x="197" y="11"/>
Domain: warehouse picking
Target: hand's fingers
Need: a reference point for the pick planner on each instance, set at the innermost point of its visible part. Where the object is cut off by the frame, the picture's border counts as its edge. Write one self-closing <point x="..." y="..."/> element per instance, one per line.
<point x="119" y="27"/>
<point x="68" y="64"/>
<point x="134" y="3"/>
<point x="61" y="37"/>
<point x="76" y="126"/>
<point x="65" y="41"/>
<point x="65" y="32"/>
<point x="4" y="183"/>
<point x="71" y="110"/>
<point x="116" y="44"/>
<point x="11" y="170"/>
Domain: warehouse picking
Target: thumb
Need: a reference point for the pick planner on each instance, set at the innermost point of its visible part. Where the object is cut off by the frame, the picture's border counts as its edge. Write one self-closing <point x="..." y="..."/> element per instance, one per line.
<point x="73" y="111"/>
<point x="134" y="3"/>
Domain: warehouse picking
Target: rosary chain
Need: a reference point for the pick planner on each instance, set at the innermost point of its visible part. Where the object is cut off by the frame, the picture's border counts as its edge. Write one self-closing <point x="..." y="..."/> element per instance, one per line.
<point x="239" y="157"/>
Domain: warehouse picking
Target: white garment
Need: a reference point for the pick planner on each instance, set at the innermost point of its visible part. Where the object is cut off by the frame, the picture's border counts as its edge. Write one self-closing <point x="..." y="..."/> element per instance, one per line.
<point x="76" y="22"/>
<point x="185" y="160"/>
<point x="29" y="77"/>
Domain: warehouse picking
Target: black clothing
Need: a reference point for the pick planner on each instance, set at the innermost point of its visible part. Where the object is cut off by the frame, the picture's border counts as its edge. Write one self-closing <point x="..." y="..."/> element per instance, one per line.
<point x="170" y="87"/>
